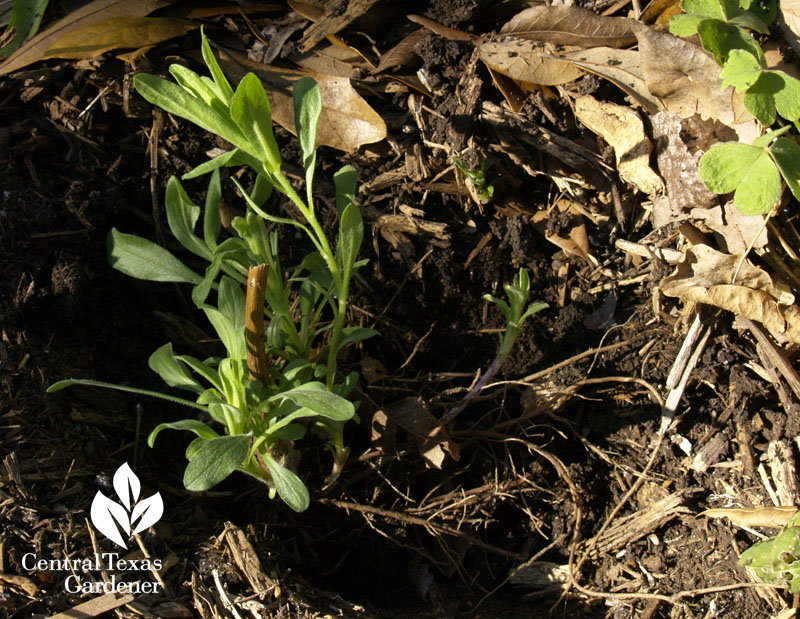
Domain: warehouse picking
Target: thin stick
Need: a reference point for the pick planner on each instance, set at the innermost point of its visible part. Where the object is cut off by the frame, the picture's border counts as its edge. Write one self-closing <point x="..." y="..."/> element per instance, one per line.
<point x="254" y="323"/>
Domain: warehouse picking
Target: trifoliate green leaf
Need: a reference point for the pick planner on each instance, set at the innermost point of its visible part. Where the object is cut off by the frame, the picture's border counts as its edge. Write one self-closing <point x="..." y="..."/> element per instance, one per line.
<point x="724" y="166"/>
<point x="741" y="70"/>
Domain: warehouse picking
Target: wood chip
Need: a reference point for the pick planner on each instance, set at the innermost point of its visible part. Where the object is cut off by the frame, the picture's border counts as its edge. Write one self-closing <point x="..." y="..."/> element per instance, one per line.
<point x="97" y="606"/>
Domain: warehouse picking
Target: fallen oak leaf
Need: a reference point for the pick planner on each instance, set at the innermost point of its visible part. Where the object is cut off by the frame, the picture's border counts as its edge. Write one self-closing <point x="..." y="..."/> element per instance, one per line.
<point x="705" y="275"/>
<point x="528" y="63"/>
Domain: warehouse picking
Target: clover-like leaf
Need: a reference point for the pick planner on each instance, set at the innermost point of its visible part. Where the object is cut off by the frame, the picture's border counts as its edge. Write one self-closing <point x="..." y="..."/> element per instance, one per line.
<point x="741" y="70"/>
<point x="760" y="189"/>
<point x="786" y="154"/>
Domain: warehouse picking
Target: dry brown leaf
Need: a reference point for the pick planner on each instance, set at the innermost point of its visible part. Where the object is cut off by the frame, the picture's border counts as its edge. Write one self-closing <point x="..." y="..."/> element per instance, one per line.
<point x="331" y="60"/>
<point x="528" y="63"/>
<point x="117" y="33"/>
<point x="34" y="49"/>
<point x="621" y="67"/>
<point x="704" y="275"/>
<point x="678" y="168"/>
<point x="622" y="128"/>
<point x="571" y="25"/>
<point x="413" y="415"/>
<point x="333" y="20"/>
<point x="451" y="34"/>
<point x="347" y="121"/>
<point x="684" y="77"/>
<point x="576" y="242"/>
<point x="403" y="54"/>
<point x="656" y="11"/>
<point x="789" y="21"/>
<point x="737" y="229"/>
<point x="771" y="517"/>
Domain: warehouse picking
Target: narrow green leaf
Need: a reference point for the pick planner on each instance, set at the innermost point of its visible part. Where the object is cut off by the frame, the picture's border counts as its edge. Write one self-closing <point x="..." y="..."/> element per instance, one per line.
<point x="215" y="460"/>
<point x="315" y="397"/>
<point x="177" y="101"/>
<point x="356" y="334"/>
<point x="182" y="216"/>
<point x="724" y="165"/>
<point x="192" y="425"/>
<point x="211" y="62"/>
<point x="345" y="181"/>
<point x="232" y="338"/>
<point x="760" y="188"/>
<point x="205" y="370"/>
<point x="165" y="363"/>
<point x="251" y="111"/>
<point x="26" y="16"/>
<point x="201" y="291"/>
<point x="211" y="221"/>
<point x="144" y="259"/>
<point x="786" y="154"/>
<point x="71" y="382"/>
<point x="290" y="487"/>
<point x="200" y="87"/>
<point x="232" y="302"/>
<point x="351" y="234"/>
<point x="307" y="100"/>
<point x="233" y="157"/>
<point x="262" y="190"/>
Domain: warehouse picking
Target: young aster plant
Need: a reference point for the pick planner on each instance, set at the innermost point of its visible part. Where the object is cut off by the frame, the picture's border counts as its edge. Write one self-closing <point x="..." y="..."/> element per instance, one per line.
<point x="776" y="560"/>
<point x="263" y="407"/>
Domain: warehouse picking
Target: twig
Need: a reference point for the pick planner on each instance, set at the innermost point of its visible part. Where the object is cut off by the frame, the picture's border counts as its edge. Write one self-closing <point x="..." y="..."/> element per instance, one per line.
<point x="254" y="323"/>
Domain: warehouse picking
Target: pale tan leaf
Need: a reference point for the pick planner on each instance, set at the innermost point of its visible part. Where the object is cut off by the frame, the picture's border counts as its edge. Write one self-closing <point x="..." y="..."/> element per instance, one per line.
<point x="571" y="25"/>
<point x="706" y="276"/>
<point x="789" y="21"/>
<point x="347" y="121"/>
<point x="623" y="130"/>
<point x="684" y="77"/>
<point x="771" y="517"/>
<point x="739" y="231"/>
<point x="527" y="63"/>
<point x="330" y="60"/>
<point x="34" y="49"/>
<point x="117" y="33"/>
<point x="621" y="67"/>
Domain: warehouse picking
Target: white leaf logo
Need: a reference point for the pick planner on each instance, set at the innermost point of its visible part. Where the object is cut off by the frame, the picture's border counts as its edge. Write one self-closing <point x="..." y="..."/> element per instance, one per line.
<point x="133" y="516"/>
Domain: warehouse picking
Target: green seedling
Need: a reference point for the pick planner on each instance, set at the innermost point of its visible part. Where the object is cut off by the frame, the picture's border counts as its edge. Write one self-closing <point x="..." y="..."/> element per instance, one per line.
<point x="755" y="172"/>
<point x="516" y="311"/>
<point x="262" y="406"/>
<point x="776" y="560"/>
<point x="26" y="17"/>
<point x="479" y="178"/>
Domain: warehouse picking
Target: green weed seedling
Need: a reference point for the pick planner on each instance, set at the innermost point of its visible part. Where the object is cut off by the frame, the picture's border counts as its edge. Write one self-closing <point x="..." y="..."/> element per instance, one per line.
<point x="259" y="410"/>
<point x="479" y="178"/>
<point x="776" y="560"/>
<point x="755" y="172"/>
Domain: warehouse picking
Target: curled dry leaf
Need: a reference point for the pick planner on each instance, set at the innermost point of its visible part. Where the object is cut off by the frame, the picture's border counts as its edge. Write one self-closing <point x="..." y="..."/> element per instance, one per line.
<point x="621" y="67"/>
<point x="576" y="242"/>
<point x="772" y="517"/>
<point x="684" y="77"/>
<point x="528" y="63"/>
<point x="413" y="415"/>
<point x="622" y="128"/>
<point x="35" y="48"/>
<point x="347" y="121"/>
<point x="117" y="33"/>
<point x="705" y="275"/>
<point x="789" y="21"/>
<point x="404" y="53"/>
<point x="571" y="25"/>
<point x="738" y="230"/>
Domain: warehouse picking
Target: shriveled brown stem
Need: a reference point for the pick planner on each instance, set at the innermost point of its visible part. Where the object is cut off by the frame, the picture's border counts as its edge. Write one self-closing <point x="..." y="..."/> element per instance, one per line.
<point x="254" y="323"/>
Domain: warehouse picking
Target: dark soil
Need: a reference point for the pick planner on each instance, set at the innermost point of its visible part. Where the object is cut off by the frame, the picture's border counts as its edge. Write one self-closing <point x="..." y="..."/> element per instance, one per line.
<point x="532" y="457"/>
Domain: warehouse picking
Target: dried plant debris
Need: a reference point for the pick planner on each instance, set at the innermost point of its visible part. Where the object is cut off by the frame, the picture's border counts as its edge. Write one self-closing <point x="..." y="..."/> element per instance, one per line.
<point x="706" y="275"/>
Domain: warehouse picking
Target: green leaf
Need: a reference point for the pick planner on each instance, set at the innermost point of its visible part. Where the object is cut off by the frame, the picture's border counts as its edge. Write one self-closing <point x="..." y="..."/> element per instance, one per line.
<point x="307" y="100"/>
<point x="201" y="291"/>
<point x="787" y="97"/>
<point x="759" y="99"/>
<point x="26" y="16"/>
<point x="262" y="190"/>
<point x="765" y="10"/>
<point x="165" y="363"/>
<point x="706" y="8"/>
<point x="724" y="165"/>
<point x="144" y="259"/>
<point x="356" y="334"/>
<point x="232" y="302"/>
<point x="231" y="337"/>
<point x="760" y="189"/>
<point x="205" y="370"/>
<point x="720" y="39"/>
<point x="290" y="487"/>
<point x="749" y="21"/>
<point x="182" y="216"/>
<point x="215" y="460"/>
<point x="315" y="397"/>
<point x="290" y="432"/>
<point x="345" y="181"/>
<point x="193" y="425"/>
<point x="211" y="220"/>
<point x="770" y="136"/>
<point x="786" y="154"/>
<point x="71" y="382"/>
<point x="251" y="111"/>
<point x="233" y="157"/>
<point x="193" y="447"/>
<point x="200" y="87"/>
<point x="216" y="73"/>
<point x="177" y="101"/>
<point x="351" y="233"/>
<point x="741" y="70"/>
<point x="685" y="25"/>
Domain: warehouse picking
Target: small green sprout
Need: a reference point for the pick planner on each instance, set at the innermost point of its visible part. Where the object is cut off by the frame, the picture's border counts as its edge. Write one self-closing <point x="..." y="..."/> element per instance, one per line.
<point x="516" y="311"/>
<point x="262" y="407"/>
<point x="479" y="178"/>
<point x="776" y="561"/>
